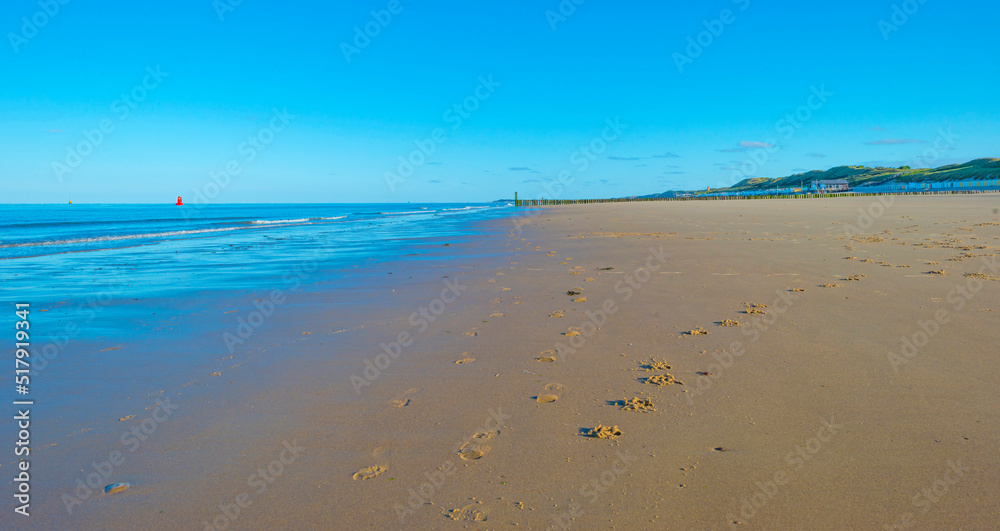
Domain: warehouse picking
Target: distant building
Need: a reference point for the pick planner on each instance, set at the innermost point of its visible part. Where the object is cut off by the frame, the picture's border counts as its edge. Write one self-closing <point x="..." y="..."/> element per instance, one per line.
<point x="837" y="185"/>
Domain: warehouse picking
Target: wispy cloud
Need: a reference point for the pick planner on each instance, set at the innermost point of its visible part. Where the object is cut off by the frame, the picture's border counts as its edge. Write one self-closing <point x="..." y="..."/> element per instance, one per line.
<point x="519" y="168"/>
<point x="434" y="181"/>
<point x="815" y="155"/>
<point x="667" y="155"/>
<point x="54" y="131"/>
<point x="876" y="128"/>
<point x="894" y="141"/>
<point x="745" y="145"/>
<point x="750" y="144"/>
<point x="532" y="181"/>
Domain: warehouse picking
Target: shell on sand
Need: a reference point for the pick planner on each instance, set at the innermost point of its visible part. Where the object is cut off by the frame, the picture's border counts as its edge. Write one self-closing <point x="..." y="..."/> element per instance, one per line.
<point x="115" y="488"/>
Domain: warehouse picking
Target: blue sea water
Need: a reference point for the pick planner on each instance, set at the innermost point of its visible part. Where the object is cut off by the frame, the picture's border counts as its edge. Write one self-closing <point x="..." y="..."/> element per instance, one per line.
<point x="133" y="303"/>
<point x="58" y="252"/>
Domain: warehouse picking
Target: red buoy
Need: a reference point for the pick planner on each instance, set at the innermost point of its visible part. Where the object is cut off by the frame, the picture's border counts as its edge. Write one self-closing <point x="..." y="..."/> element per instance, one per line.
<point x="179" y="202"/>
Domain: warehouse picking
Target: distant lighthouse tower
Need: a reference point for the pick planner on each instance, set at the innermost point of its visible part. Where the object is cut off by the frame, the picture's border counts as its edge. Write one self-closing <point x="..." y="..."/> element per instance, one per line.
<point x="179" y="202"/>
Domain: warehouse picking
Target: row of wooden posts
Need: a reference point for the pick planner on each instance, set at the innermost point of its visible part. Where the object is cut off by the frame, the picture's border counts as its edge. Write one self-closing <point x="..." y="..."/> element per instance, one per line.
<point x="546" y="202"/>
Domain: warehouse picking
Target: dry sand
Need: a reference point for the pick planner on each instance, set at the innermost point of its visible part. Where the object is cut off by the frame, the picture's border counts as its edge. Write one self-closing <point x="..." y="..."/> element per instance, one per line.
<point x="801" y="412"/>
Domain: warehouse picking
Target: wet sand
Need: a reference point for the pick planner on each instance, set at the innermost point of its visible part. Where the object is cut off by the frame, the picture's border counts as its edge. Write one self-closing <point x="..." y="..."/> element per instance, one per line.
<point x="669" y="365"/>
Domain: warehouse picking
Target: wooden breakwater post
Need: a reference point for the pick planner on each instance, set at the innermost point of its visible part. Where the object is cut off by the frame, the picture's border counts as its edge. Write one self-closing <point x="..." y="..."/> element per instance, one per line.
<point x="515" y="200"/>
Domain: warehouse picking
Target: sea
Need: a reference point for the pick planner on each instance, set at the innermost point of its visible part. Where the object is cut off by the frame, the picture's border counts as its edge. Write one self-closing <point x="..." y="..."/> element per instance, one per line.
<point x="58" y="252"/>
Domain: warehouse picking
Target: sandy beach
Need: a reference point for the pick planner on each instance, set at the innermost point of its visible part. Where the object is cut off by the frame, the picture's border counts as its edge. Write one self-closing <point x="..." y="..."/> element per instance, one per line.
<point x="745" y="358"/>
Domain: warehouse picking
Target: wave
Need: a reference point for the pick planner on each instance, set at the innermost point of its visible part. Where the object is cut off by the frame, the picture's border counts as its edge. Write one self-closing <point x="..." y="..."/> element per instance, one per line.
<point x="116" y="237"/>
<point x="279" y="221"/>
<point x="324" y="219"/>
<point x="107" y="222"/>
<point x="410" y="212"/>
<point x="465" y="208"/>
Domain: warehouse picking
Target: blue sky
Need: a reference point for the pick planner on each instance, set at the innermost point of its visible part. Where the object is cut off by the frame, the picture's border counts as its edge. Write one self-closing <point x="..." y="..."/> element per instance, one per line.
<point x="301" y="109"/>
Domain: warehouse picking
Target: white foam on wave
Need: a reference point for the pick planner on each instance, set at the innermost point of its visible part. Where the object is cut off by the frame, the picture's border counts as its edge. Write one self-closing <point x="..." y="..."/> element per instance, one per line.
<point x="278" y="221"/>
<point x="118" y="237"/>
<point x="465" y="208"/>
<point x="411" y="212"/>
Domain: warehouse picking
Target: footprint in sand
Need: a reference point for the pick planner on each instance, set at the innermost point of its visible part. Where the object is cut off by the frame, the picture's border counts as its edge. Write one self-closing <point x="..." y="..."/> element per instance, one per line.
<point x="728" y="322"/>
<point x="553" y="387"/>
<point x="467" y="359"/>
<point x="557" y="313"/>
<point x="469" y="513"/>
<point x="123" y="419"/>
<point x="545" y="399"/>
<point x="603" y="432"/>
<point x="580" y="299"/>
<point x="636" y="404"/>
<point x="370" y="472"/>
<point x="472" y="451"/>
<point x="661" y="380"/>
<point x="588" y="280"/>
<point x="486" y="434"/>
<point x="401" y="402"/>
<point x="547" y="356"/>
<point x="698" y="332"/>
<point x="829" y="285"/>
<point x="654" y="365"/>
<point x="797" y="289"/>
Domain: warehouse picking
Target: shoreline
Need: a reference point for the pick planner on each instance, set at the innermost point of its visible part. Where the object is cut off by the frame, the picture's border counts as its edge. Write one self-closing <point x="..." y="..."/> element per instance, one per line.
<point x="810" y="195"/>
<point x="797" y="418"/>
